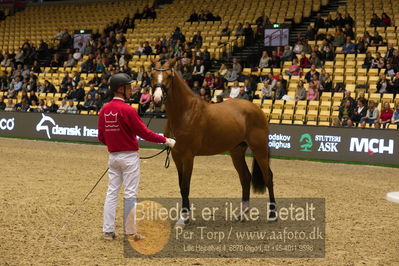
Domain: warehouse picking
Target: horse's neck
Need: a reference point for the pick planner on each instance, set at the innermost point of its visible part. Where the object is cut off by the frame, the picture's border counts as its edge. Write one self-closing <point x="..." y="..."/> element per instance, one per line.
<point x="181" y="99"/>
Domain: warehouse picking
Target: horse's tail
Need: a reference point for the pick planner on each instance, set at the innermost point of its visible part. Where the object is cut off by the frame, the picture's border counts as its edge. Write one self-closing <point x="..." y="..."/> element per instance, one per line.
<point x="258" y="183"/>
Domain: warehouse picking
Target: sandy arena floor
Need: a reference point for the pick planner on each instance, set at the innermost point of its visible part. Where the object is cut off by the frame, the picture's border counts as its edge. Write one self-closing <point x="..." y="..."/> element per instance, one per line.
<point x="42" y="182"/>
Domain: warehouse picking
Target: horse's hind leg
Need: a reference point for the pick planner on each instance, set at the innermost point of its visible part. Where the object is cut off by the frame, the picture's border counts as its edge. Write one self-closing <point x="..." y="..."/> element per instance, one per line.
<point x="238" y="157"/>
<point x="258" y="144"/>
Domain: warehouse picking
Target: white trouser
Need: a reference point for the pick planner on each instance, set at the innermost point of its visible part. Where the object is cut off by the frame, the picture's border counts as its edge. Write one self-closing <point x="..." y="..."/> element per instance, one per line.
<point x="124" y="167"/>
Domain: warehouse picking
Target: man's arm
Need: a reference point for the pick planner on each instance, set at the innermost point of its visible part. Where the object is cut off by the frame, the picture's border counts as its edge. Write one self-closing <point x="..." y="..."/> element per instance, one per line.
<point x="101" y="128"/>
<point x="141" y="129"/>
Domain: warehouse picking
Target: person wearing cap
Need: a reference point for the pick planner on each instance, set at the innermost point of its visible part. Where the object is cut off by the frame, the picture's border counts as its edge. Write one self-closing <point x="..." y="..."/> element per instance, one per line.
<point x="118" y="128"/>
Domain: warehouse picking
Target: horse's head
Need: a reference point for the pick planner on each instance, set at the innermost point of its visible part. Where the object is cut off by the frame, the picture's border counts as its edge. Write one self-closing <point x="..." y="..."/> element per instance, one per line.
<point x="161" y="76"/>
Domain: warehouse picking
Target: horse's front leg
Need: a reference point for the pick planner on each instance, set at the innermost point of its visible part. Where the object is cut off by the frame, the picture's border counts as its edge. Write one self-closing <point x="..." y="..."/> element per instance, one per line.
<point x="184" y="165"/>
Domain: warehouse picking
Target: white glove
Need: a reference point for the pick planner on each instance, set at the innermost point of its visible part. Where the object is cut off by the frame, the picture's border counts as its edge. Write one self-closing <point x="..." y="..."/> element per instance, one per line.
<point x="170" y="142"/>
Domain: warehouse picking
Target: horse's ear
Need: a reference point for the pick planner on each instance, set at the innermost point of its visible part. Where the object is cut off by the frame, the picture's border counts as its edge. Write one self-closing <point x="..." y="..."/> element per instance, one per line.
<point x="172" y="62"/>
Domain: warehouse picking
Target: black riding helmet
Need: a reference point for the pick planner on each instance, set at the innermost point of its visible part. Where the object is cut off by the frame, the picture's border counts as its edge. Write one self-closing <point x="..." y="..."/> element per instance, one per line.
<point x="118" y="80"/>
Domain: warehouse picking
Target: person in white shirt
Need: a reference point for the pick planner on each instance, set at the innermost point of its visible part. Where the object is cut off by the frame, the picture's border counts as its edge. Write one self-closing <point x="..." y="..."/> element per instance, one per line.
<point x="71" y="108"/>
<point x="63" y="107"/>
<point x="235" y="90"/>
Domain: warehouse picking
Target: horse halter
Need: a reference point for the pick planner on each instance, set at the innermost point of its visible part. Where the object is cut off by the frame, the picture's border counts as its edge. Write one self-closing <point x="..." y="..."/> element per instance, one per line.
<point x="160" y="85"/>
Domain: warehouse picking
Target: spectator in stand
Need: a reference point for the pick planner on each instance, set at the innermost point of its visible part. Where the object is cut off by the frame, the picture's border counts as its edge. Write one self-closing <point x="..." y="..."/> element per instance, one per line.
<point x="267" y="90"/>
<point x="327" y="52"/>
<point x="327" y="83"/>
<point x="339" y="20"/>
<point x="95" y="81"/>
<point x="395" y="116"/>
<point x="209" y="80"/>
<point x="368" y="60"/>
<point x="264" y="60"/>
<point x="33" y="108"/>
<point x="235" y="90"/>
<point x="386" y="115"/>
<point x="390" y="51"/>
<point x="196" y="88"/>
<point x="348" y="31"/>
<point x="242" y="94"/>
<point x="395" y="60"/>
<point x="280" y="90"/>
<point x="304" y="61"/>
<point x="239" y="30"/>
<point x="382" y="84"/>
<point x="196" y="41"/>
<point x="345" y="114"/>
<point x="53" y="107"/>
<point x="147" y="50"/>
<point x="237" y="66"/>
<point x="378" y="61"/>
<point x="248" y="34"/>
<point x="89" y="104"/>
<point x="80" y="92"/>
<point x="310" y="74"/>
<point x="275" y="60"/>
<point x="376" y="40"/>
<point x="198" y="71"/>
<point x="33" y="97"/>
<point x="349" y="47"/>
<point x="339" y="37"/>
<point x="10" y="106"/>
<point x="287" y="54"/>
<point x="294" y="69"/>
<point x="329" y="22"/>
<point x="71" y="108"/>
<point x="145" y="100"/>
<point x="315" y="60"/>
<point x="391" y="70"/>
<point x="298" y="47"/>
<point x="317" y="84"/>
<point x="359" y="111"/>
<point x="348" y="19"/>
<point x="371" y="116"/>
<point x="348" y="96"/>
<point x="2" y="103"/>
<point x="385" y="20"/>
<point x="226" y="30"/>
<point x="48" y="87"/>
<point x="22" y="106"/>
<point x="319" y="22"/>
<point x="375" y="21"/>
<point x="300" y="94"/>
<point x="311" y="33"/>
<point x="313" y="94"/>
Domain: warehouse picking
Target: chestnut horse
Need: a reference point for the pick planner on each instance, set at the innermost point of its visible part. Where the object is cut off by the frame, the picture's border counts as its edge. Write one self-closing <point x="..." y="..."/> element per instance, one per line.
<point x="201" y="128"/>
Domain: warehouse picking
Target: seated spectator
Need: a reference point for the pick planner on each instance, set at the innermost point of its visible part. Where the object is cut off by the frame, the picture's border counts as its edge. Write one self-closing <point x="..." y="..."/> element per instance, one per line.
<point x="248" y="34"/>
<point x="226" y="30"/>
<point x="395" y="116"/>
<point x="53" y="108"/>
<point x="348" y="19"/>
<point x="33" y="97"/>
<point x="239" y="31"/>
<point x="209" y="80"/>
<point x="347" y="96"/>
<point x="348" y="31"/>
<point x="371" y="116"/>
<point x="300" y="94"/>
<point x="319" y="22"/>
<point x="327" y="51"/>
<point x="378" y="61"/>
<point x="70" y="62"/>
<point x="48" y="87"/>
<point x="368" y="60"/>
<point x="359" y="111"/>
<point x="198" y="71"/>
<point x="71" y="108"/>
<point x="145" y="100"/>
<point x="89" y="104"/>
<point x="313" y="94"/>
<point x="242" y="94"/>
<point x="147" y="50"/>
<point x="202" y="94"/>
<point x="304" y="61"/>
<point x="349" y="47"/>
<point x="294" y="69"/>
<point x="196" y="88"/>
<point x="197" y="40"/>
<point x="231" y="75"/>
<point x="327" y="83"/>
<point x="375" y="21"/>
<point x="317" y="84"/>
<point x="287" y="54"/>
<point x="3" y="105"/>
<point x="218" y="81"/>
<point x="267" y="90"/>
<point x="33" y="108"/>
<point x="386" y="115"/>
<point x="382" y="84"/>
<point x="390" y="51"/>
<point x="329" y="22"/>
<point x="345" y="114"/>
<point x="280" y="90"/>
<point x="310" y="74"/>
<point x="315" y="60"/>
<point x="219" y="98"/>
<point x="235" y="90"/>
<point x="393" y="85"/>
<point x="310" y="33"/>
<point x="22" y="106"/>
<point x="339" y="20"/>
<point x="10" y="106"/>
<point x="80" y="92"/>
<point x="236" y="66"/>
<point x="376" y="40"/>
<point x="264" y="60"/>
<point x="298" y="47"/>
<point x="339" y="37"/>
<point x="390" y="70"/>
<point x="385" y="20"/>
<point x="98" y="101"/>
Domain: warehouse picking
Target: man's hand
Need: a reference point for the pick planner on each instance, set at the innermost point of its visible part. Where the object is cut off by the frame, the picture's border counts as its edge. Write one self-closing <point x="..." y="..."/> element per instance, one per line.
<point x="170" y="142"/>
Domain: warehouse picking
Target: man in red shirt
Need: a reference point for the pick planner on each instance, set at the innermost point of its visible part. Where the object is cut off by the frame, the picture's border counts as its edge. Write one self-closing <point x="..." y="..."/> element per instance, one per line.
<point x="118" y="128"/>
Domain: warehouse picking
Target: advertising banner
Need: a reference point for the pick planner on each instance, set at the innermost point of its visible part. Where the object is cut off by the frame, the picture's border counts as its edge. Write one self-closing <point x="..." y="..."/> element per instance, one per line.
<point x="309" y="142"/>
